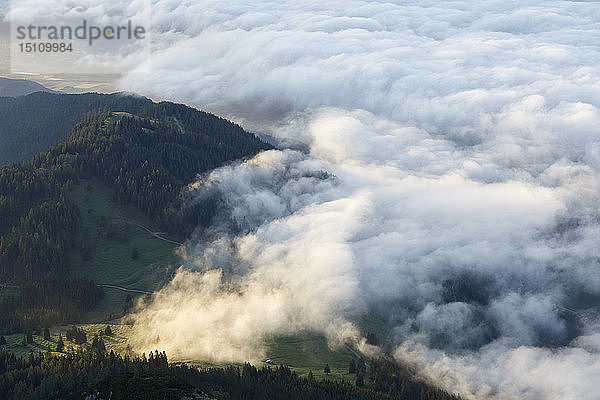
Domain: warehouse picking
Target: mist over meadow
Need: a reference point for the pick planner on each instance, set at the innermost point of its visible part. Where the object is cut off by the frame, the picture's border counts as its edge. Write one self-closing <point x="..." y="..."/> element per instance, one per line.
<point x="438" y="169"/>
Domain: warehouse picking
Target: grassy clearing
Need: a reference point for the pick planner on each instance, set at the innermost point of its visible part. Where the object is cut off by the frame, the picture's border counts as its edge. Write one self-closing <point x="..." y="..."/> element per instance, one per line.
<point x="111" y="232"/>
<point x="116" y="342"/>
<point x="302" y="353"/>
<point x="309" y="352"/>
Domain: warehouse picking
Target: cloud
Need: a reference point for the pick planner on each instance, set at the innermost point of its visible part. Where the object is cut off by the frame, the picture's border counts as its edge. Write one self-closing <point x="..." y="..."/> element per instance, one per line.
<point x="496" y="372"/>
<point x="281" y="279"/>
<point x="445" y="180"/>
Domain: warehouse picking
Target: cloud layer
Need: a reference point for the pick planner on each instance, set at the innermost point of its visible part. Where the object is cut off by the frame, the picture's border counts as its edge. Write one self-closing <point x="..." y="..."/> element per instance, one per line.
<point x="445" y="179"/>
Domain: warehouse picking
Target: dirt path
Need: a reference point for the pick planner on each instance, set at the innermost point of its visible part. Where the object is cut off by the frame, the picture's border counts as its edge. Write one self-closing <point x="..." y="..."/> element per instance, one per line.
<point x="155" y="234"/>
<point x="7" y="286"/>
<point x="125" y="289"/>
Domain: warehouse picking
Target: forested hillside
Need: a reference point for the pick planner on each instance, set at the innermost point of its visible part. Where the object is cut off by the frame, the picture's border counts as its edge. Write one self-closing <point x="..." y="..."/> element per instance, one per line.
<point x="31" y="124"/>
<point x="109" y="375"/>
<point x="146" y="160"/>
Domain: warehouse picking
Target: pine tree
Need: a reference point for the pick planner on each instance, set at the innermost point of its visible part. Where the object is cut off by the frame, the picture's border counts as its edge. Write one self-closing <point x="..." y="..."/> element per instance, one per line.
<point x="361" y="367"/>
<point x="60" y="345"/>
<point x="98" y="345"/>
<point x="352" y="366"/>
<point x="128" y="304"/>
<point x="360" y="380"/>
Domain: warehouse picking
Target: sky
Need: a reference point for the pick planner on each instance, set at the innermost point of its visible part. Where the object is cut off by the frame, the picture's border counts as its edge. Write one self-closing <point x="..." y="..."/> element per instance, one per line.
<point x="438" y="169"/>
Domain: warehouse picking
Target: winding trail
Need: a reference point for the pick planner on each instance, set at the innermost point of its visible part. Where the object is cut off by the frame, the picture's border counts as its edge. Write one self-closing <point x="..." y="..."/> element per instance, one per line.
<point x="7" y="286"/>
<point x="155" y="234"/>
<point x="124" y="289"/>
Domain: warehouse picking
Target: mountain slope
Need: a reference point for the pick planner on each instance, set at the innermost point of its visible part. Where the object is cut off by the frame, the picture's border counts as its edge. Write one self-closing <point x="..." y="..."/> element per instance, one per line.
<point x="144" y="160"/>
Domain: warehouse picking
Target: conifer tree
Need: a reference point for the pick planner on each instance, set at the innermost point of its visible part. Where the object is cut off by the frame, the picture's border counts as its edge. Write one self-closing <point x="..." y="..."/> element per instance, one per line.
<point x="60" y="345"/>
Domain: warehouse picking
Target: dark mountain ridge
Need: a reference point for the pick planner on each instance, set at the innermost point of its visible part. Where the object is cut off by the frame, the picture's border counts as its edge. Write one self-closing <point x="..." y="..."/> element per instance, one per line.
<point x="20" y="87"/>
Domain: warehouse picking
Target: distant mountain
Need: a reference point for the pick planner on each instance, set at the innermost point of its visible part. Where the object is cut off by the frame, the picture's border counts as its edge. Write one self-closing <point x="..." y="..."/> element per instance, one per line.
<point x="33" y="123"/>
<point x="20" y="87"/>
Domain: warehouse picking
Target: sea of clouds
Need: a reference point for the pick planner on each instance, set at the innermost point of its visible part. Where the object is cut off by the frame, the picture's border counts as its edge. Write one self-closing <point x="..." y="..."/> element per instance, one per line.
<point x="438" y="169"/>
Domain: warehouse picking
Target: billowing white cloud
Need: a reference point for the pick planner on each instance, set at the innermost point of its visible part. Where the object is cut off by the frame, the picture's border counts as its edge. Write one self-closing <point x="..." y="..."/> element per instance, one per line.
<point x="498" y="372"/>
<point x="445" y="179"/>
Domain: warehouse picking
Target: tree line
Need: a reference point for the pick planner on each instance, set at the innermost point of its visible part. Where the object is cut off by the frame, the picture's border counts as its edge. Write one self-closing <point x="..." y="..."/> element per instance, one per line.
<point x="109" y="375"/>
